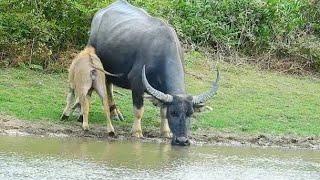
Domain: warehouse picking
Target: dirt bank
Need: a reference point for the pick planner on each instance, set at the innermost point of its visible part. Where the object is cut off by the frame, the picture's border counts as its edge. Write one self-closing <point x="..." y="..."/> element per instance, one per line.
<point x="15" y="127"/>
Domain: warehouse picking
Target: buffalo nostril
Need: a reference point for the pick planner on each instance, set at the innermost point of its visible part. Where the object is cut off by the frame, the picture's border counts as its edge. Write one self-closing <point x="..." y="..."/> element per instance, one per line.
<point x="187" y="143"/>
<point x="175" y="141"/>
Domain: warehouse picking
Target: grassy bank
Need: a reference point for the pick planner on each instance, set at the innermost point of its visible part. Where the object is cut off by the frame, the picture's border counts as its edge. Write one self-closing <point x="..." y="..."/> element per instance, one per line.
<point x="249" y="100"/>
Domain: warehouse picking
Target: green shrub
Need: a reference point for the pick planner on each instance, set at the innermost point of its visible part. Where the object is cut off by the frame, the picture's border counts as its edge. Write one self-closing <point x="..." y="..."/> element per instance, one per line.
<point x="282" y="28"/>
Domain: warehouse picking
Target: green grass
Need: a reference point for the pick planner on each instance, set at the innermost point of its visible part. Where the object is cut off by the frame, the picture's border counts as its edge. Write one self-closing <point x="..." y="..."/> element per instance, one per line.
<point x="249" y="100"/>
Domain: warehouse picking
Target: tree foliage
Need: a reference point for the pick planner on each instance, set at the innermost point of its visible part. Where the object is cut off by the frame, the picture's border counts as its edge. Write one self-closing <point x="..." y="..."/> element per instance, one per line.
<point x="37" y="31"/>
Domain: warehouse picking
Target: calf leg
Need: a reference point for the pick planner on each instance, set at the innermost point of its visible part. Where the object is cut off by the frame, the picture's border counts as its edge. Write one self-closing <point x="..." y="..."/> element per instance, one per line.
<point x="138" y="113"/>
<point x="83" y="98"/>
<point x="114" y="111"/>
<point x="68" y="109"/>
<point x="76" y="108"/>
<point x="101" y="90"/>
<point x="84" y="103"/>
<point x="164" y="126"/>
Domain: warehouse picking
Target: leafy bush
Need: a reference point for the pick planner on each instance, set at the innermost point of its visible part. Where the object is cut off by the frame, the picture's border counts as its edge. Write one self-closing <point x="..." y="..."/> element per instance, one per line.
<point x="39" y="31"/>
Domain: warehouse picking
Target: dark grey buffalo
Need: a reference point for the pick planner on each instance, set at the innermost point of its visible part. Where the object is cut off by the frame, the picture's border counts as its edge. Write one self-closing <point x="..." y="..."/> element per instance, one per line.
<point x="147" y="52"/>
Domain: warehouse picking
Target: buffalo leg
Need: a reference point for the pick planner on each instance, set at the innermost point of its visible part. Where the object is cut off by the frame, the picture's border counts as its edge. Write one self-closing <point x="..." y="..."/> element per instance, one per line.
<point x="114" y="111"/>
<point x="164" y="126"/>
<point x="138" y="110"/>
<point x="136" y="128"/>
<point x="67" y="110"/>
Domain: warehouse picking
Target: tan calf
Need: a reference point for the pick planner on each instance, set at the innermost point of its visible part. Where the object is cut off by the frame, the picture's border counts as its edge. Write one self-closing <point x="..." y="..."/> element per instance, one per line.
<point x="85" y="75"/>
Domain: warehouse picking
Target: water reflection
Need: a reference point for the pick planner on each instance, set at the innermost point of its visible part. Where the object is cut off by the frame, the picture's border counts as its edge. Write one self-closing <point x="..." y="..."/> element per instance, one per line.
<point x="65" y="158"/>
<point x="129" y="154"/>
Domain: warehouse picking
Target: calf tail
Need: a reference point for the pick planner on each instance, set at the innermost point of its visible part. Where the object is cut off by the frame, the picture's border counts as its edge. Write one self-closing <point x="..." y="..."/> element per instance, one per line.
<point x="101" y="69"/>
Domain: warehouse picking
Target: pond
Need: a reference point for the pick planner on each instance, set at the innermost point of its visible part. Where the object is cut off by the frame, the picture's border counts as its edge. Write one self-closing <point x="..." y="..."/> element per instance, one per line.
<point x="67" y="158"/>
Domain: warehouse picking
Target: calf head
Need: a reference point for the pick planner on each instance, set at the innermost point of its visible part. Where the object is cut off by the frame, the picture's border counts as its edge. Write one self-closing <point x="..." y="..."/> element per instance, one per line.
<point x="179" y="108"/>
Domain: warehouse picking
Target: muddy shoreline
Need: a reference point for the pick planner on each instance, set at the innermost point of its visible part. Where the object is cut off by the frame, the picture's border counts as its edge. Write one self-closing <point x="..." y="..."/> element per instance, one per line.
<point x="15" y="127"/>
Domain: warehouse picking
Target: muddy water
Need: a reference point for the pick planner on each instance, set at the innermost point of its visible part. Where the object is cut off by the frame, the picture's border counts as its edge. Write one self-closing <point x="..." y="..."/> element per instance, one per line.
<point x="45" y="158"/>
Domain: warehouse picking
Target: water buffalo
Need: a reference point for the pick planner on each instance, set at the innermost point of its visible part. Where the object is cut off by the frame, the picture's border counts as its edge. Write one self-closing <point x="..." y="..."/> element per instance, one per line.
<point x="147" y="51"/>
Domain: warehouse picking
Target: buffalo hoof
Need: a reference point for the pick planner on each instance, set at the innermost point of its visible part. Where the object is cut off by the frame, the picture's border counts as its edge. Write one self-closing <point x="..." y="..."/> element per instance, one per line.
<point x="111" y="134"/>
<point x="64" y="117"/>
<point x="166" y="134"/>
<point x="137" y="134"/>
<point x="85" y="127"/>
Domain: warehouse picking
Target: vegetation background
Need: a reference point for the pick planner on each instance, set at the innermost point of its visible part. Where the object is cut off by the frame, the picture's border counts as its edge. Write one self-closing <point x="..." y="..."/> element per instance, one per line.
<point x="277" y="34"/>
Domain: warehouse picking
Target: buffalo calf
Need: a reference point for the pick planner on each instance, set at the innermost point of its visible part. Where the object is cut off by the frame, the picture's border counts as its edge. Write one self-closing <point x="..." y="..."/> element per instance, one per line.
<point x="86" y="74"/>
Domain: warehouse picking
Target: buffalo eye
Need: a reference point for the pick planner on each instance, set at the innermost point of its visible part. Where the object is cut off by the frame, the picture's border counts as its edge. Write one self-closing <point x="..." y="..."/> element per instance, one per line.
<point x="174" y="113"/>
<point x="189" y="113"/>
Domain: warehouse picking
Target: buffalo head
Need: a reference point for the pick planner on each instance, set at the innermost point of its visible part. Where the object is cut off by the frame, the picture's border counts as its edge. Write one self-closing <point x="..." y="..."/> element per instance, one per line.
<point x="179" y="108"/>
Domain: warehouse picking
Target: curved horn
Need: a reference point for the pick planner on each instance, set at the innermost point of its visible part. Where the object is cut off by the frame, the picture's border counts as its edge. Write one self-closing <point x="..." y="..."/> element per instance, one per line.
<point x="155" y="93"/>
<point x="205" y="96"/>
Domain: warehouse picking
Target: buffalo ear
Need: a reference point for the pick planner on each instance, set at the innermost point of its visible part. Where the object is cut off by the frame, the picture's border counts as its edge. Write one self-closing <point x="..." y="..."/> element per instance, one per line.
<point x="201" y="107"/>
<point x="198" y="107"/>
